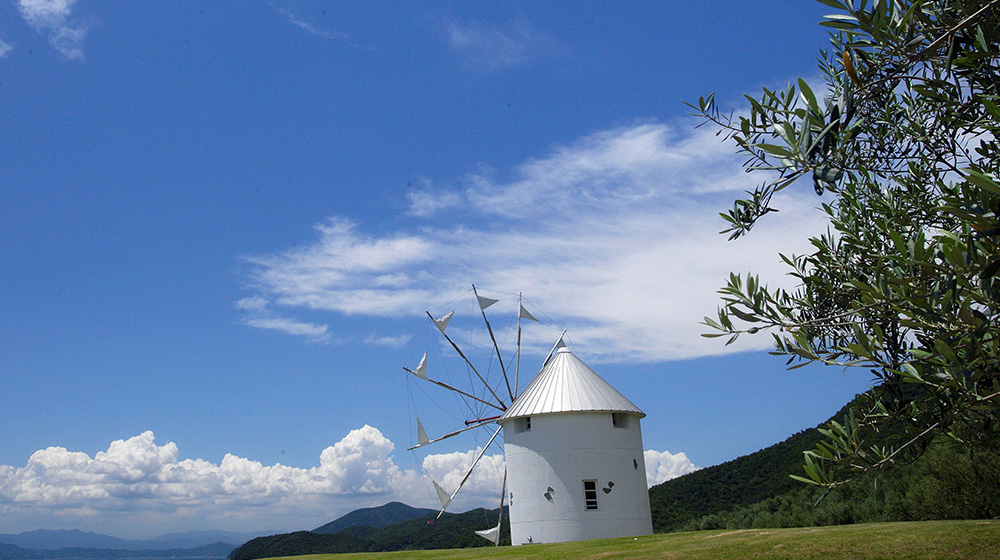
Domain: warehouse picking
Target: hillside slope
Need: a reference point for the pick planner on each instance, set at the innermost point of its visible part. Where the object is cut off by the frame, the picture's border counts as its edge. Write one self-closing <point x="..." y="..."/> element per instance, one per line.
<point x="740" y="482"/>
<point x="451" y="531"/>
<point x="936" y="540"/>
<point x="377" y="517"/>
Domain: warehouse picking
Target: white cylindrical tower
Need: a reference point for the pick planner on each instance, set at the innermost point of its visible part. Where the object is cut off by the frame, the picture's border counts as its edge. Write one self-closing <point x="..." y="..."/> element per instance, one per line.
<point x="575" y="466"/>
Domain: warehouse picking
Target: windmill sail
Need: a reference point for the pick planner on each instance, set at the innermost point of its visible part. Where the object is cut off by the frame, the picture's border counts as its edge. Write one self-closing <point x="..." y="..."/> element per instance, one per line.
<point x="492" y="535"/>
<point x="485" y="302"/>
<point x="442" y="322"/>
<point x="422" y="438"/>
<point x="443" y="496"/>
<point x="449" y="387"/>
<point x="421" y="370"/>
<point x="447" y="318"/>
<point x="524" y="314"/>
<point x="452" y="434"/>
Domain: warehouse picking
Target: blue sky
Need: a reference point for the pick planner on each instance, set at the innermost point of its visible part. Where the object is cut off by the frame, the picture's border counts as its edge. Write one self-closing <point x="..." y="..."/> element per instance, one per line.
<point x="221" y="224"/>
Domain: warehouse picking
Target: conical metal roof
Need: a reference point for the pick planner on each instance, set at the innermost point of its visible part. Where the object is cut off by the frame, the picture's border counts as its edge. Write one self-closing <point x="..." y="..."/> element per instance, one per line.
<point x="566" y="384"/>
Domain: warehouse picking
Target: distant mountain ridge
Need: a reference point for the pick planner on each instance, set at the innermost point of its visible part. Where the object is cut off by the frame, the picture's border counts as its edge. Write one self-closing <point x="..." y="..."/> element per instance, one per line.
<point x="45" y="539"/>
<point x="76" y="544"/>
<point x="204" y="552"/>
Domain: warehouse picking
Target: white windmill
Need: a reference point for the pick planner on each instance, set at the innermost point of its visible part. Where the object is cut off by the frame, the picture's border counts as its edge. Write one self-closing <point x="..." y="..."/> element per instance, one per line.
<point x="573" y="445"/>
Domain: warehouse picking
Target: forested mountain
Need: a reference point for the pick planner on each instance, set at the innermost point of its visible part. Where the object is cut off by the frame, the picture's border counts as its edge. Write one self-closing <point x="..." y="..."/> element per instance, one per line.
<point x="451" y="531"/>
<point x="756" y="490"/>
<point x="377" y="517"/>
<point x="740" y="482"/>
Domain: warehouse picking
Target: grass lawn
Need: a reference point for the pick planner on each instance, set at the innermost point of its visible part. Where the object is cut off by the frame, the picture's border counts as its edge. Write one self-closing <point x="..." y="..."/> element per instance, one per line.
<point x="930" y="540"/>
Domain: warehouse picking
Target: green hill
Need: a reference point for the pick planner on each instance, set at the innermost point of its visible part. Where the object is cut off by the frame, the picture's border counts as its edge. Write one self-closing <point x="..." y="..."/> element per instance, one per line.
<point x="935" y="540"/>
<point x="740" y="482"/>
<point x="424" y="532"/>
<point x="755" y="491"/>
<point x="377" y="517"/>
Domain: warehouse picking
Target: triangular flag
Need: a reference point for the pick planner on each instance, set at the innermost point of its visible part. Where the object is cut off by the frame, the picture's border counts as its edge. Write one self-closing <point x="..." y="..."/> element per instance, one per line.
<point x="523" y="314"/>
<point x="421" y="370"/>
<point x="560" y="344"/>
<point x="492" y="535"/>
<point x="422" y="438"/>
<point x="442" y="323"/>
<point x="485" y="302"/>
<point x="442" y="495"/>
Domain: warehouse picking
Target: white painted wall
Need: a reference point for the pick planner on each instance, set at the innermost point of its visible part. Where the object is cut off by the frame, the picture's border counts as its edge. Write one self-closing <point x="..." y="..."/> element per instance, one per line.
<point x="561" y="451"/>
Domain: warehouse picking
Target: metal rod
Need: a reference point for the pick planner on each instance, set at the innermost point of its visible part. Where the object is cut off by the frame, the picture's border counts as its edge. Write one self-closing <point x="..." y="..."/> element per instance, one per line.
<point x="449" y="387"/>
<point x="469" y="473"/>
<point x="460" y="353"/>
<point x="446" y="436"/>
<point x="517" y="368"/>
<point x="467" y="422"/>
<point x="495" y="346"/>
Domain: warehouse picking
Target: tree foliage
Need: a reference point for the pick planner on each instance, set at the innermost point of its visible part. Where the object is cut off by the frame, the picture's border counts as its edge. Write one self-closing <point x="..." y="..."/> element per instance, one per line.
<point x="902" y="145"/>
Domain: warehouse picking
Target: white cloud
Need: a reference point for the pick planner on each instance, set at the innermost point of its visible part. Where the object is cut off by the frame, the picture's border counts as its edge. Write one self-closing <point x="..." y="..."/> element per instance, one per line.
<point x="55" y="18"/>
<point x="137" y="483"/>
<point x="614" y="236"/>
<point x="662" y="466"/>
<point x="317" y="333"/>
<point x="483" y="487"/>
<point x="311" y="28"/>
<point x="5" y="48"/>
<point x="488" y="46"/>
<point x="427" y="203"/>
<point x="259" y="316"/>
<point x="390" y="341"/>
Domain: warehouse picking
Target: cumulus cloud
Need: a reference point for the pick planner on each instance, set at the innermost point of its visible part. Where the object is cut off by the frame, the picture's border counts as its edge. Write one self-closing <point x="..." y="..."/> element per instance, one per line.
<point x="148" y="481"/>
<point x="614" y="236"/>
<point x="662" y="466"/>
<point x="137" y="482"/>
<point x="55" y="19"/>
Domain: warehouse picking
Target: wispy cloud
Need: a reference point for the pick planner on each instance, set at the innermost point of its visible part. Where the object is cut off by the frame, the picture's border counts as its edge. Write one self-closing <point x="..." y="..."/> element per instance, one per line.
<point x="398" y="341"/>
<point x="614" y="236"/>
<point x="488" y="46"/>
<point x="258" y="315"/>
<point x="55" y="19"/>
<point x="310" y="27"/>
<point x="137" y="482"/>
<point x="5" y="48"/>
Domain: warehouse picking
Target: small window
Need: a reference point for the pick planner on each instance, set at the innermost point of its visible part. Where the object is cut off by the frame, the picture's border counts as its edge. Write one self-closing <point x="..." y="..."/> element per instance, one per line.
<point x="590" y="493"/>
<point x="619" y="420"/>
<point x="522" y="424"/>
